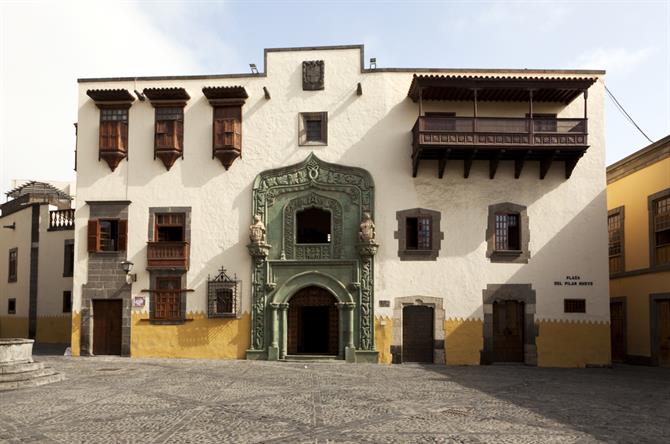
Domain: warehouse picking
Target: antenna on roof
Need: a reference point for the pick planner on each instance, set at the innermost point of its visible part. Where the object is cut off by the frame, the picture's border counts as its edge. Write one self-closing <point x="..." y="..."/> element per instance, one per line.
<point x="254" y="70"/>
<point x="373" y="62"/>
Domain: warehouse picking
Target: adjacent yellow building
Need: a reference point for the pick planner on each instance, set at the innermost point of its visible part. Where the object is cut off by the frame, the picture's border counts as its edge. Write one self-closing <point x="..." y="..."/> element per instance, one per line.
<point x="638" y="200"/>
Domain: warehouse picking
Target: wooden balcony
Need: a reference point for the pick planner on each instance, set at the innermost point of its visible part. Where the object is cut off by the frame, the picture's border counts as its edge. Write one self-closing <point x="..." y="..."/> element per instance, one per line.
<point x="167" y="255"/>
<point x="498" y="138"/>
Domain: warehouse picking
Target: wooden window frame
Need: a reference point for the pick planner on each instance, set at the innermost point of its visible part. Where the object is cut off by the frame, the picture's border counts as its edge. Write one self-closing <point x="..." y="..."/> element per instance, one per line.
<point x="155" y="279"/>
<point x="502" y="243"/>
<point x="522" y="255"/>
<point x="67" y="301"/>
<point x="114" y="129"/>
<point x="158" y="225"/>
<point x="13" y="265"/>
<point x="409" y="253"/>
<point x="175" y="134"/>
<point x="652" y="202"/>
<point x="94" y="238"/>
<point x="620" y="263"/>
<point x="302" y="128"/>
<point x="10" y="302"/>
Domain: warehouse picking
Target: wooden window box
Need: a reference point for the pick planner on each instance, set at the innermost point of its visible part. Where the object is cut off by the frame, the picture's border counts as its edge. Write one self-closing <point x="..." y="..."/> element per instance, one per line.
<point x="113" y="136"/>
<point x="227" y="138"/>
<point x="168" y="254"/>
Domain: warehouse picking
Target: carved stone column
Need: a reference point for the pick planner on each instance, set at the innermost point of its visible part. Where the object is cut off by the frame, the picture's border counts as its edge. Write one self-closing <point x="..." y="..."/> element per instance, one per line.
<point x="283" y="309"/>
<point x="347" y="324"/>
<point x="259" y="252"/>
<point x="367" y="252"/>
<point x="273" y="350"/>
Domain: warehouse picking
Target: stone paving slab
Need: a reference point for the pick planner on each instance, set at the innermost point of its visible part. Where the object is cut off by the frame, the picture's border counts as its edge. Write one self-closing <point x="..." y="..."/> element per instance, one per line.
<point x="113" y="400"/>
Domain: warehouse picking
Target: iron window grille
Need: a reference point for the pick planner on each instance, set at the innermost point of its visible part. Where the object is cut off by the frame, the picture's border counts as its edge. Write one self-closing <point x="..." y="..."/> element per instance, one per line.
<point x="223" y="295"/>
<point x="574" y="305"/>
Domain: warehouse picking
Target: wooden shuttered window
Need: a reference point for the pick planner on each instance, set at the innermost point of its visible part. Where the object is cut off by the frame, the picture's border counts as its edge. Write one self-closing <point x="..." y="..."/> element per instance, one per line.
<point x="169" y="128"/>
<point x="114" y="129"/>
<point x="107" y="235"/>
<point x="167" y="299"/>
<point x="227" y="127"/>
<point x="615" y="226"/>
<point x="661" y="226"/>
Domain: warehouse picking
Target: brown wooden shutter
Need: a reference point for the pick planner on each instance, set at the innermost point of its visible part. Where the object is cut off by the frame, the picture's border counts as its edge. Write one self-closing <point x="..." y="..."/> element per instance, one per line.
<point x="122" y="141"/>
<point x="106" y="130"/>
<point x="123" y="234"/>
<point x="93" y="236"/>
<point x="179" y="134"/>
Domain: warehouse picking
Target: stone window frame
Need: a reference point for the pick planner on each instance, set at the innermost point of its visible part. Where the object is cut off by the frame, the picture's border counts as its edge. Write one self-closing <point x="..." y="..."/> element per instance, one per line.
<point x="521" y="256"/>
<point x="511" y="292"/>
<point x="68" y="271"/>
<point x="13" y="277"/>
<point x="438" y="326"/>
<point x="619" y="211"/>
<point x="181" y="274"/>
<point x="437" y="236"/>
<point x="651" y="201"/>
<point x="302" y="128"/>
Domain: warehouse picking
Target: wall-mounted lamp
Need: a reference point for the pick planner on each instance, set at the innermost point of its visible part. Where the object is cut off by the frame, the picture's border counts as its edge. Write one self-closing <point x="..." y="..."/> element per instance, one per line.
<point x="373" y="62"/>
<point x="11" y="227"/>
<point x="127" y="267"/>
<point x="254" y="70"/>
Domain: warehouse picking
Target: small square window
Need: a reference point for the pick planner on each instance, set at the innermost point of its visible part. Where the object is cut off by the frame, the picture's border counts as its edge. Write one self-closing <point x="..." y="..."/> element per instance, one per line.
<point x="313" y="129"/>
<point x="419" y="236"/>
<point x="11" y="306"/>
<point x="67" y="302"/>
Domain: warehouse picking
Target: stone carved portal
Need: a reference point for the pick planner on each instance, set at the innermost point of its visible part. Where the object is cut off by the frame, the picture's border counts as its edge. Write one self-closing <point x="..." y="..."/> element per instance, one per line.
<point x="342" y="267"/>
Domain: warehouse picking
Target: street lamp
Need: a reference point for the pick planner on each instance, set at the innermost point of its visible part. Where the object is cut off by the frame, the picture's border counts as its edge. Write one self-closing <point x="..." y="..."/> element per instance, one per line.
<point x="127" y="267"/>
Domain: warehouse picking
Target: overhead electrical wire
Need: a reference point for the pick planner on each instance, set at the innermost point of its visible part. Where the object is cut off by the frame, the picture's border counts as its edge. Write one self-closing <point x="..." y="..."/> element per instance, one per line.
<point x="623" y="111"/>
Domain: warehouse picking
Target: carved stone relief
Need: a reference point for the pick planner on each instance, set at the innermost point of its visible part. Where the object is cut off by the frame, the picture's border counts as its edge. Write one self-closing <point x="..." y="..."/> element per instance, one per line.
<point x="313" y="73"/>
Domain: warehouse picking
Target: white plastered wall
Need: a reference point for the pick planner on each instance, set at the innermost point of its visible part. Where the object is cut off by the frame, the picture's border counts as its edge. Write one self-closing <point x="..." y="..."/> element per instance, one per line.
<point x="372" y="131"/>
<point x="51" y="284"/>
<point x="16" y="238"/>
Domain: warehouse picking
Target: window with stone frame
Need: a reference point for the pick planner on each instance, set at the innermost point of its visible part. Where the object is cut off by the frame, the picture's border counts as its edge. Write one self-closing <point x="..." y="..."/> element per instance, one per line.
<point x="13" y="265"/>
<point x="170" y="227"/>
<point x="508" y="233"/>
<point x="661" y="230"/>
<point x="615" y="231"/>
<point x="167" y="299"/>
<point x="313" y="129"/>
<point x="419" y="236"/>
<point x="107" y="235"/>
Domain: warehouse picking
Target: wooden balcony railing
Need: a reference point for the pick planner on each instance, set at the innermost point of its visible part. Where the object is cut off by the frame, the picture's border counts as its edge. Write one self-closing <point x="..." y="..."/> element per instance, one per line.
<point x="498" y="138"/>
<point x="61" y="220"/>
<point x="167" y="255"/>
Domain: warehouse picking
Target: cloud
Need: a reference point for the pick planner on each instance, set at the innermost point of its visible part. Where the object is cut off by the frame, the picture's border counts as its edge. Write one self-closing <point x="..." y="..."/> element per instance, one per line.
<point x="614" y="60"/>
<point x="44" y="48"/>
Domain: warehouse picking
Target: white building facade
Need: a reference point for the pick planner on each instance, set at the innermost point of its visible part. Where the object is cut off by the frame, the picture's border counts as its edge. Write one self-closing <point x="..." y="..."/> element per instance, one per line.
<point x="486" y="240"/>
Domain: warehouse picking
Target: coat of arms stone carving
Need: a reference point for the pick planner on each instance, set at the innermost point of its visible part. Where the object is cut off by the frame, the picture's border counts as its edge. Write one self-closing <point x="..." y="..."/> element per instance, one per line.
<point x="313" y="75"/>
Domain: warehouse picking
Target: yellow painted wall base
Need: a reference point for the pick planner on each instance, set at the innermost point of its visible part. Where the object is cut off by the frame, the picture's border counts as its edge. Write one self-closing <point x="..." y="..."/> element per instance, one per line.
<point x="463" y="341"/>
<point x="13" y="327"/>
<point x="54" y="329"/>
<point x="76" y="340"/>
<point x="201" y="337"/>
<point x="573" y="344"/>
<point x="383" y="339"/>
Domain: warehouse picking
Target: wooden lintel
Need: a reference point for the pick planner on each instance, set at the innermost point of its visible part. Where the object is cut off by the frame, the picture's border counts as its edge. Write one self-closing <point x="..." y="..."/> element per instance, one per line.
<point x="570" y="165"/>
<point x="519" y="162"/>
<point x="493" y="163"/>
<point x="467" y="164"/>
<point x="545" y="163"/>
<point x="442" y="164"/>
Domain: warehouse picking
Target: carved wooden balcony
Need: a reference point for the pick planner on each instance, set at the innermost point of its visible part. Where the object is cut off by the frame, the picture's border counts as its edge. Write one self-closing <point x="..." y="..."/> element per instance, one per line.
<point x="168" y="255"/>
<point x="113" y="142"/>
<point x="61" y="220"/>
<point x="498" y="138"/>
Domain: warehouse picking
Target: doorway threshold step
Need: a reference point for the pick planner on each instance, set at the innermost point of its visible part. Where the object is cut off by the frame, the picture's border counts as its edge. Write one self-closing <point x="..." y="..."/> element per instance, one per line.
<point x="312" y="358"/>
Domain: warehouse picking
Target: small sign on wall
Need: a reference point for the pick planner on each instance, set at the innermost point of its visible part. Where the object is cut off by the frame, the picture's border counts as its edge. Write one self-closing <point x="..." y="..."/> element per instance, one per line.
<point x="384" y="303"/>
<point x="139" y="302"/>
<point x="573" y="281"/>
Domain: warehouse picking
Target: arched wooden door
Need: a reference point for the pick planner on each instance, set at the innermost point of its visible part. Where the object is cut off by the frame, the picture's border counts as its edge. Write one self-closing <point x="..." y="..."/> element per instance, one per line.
<point x="313" y="322"/>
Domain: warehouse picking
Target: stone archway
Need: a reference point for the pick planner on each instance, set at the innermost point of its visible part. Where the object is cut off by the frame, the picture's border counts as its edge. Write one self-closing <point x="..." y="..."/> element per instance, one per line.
<point x="313" y="322"/>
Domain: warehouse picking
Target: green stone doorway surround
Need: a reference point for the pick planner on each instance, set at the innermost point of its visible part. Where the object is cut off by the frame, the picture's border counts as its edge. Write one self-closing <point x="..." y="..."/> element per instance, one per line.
<point x="344" y="267"/>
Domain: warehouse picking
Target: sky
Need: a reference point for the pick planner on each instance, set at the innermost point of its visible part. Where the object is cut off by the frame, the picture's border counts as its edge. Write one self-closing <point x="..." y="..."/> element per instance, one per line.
<point x="45" y="46"/>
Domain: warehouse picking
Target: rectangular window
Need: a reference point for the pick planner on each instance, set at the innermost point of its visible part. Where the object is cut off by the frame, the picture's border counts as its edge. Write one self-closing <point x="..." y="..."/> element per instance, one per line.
<point x="11" y="306"/>
<point x="67" y="302"/>
<point x="661" y="226"/>
<point x="228" y="127"/>
<point x="224" y="300"/>
<point x="169" y="227"/>
<point x="222" y="294"/>
<point x="107" y="235"/>
<point x="114" y="129"/>
<point x="507" y="235"/>
<point x="169" y="128"/>
<point x="313" y="129"/>
<point x="68" y="258"/>
<point x="418" y="236"/>
<point x="615" y="235"/>
<point x="167" y="299"/>
<point x="574" y="305"/>
<point x="13" y="265"/>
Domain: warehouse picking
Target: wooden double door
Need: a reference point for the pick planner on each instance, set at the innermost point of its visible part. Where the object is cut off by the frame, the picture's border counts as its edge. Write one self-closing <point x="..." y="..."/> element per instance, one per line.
<point x="508" y="331"/>
<point x="313" y="322"/>
<point x="107" y="321"/>
<point x="618" y="330"/>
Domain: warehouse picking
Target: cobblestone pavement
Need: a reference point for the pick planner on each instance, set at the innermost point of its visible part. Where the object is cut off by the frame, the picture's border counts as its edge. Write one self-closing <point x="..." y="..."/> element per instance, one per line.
<point x="108" y="399"/>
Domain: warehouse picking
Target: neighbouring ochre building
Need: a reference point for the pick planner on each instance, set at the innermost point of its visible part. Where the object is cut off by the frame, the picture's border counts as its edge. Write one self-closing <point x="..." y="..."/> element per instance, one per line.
<point x="638" y="200"/>
<point x="36" y="262"/>
<point x="321" y="208"/>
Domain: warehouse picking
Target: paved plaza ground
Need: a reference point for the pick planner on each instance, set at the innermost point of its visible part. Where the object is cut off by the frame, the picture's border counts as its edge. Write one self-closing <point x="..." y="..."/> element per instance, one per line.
<point x="108" y="399"/>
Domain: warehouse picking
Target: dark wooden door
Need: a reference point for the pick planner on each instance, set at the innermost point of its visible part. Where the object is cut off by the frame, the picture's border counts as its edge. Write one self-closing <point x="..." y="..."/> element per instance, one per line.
<point x="313" y="322"/>
<point x="663" y="332"/>
<point x="417" y="333"/>
<point x="617" y="330"/>
<point x="508" y="331"/>
<point x="107" y="327"/>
